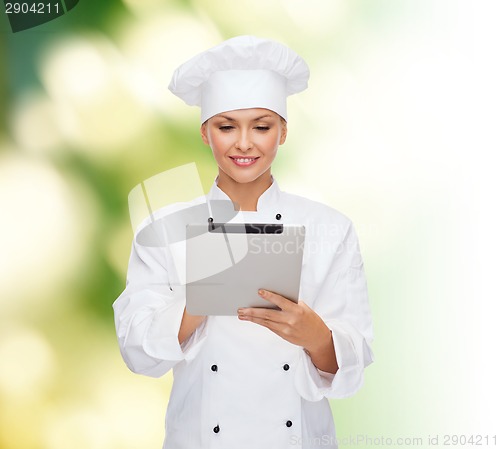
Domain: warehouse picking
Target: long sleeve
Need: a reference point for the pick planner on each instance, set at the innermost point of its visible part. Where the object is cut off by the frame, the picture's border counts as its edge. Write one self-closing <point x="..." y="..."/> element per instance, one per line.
<point x="342" y="302"/>
<point x="148" y="315"/>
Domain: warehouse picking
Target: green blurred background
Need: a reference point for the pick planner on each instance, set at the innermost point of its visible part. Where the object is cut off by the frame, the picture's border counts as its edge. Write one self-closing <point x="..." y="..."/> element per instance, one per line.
<point x="398" y="130"/>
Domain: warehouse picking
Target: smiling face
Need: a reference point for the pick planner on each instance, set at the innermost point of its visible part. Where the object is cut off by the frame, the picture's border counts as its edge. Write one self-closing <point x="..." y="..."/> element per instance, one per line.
<point x="244" y="143"/>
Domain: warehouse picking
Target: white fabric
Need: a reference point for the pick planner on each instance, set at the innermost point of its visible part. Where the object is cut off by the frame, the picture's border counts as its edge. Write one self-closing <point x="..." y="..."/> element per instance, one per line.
<point x="263" y="89"/>
<point x="251" y="396"/>
<point x="230" y="76"/>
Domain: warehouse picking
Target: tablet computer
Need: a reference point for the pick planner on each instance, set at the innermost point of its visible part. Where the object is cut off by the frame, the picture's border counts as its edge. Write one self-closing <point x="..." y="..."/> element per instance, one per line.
<point x="227" y="263"/>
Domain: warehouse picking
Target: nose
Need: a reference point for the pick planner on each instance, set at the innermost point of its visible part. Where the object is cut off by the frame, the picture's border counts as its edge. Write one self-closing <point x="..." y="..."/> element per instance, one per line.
<point x="243" y="141"/>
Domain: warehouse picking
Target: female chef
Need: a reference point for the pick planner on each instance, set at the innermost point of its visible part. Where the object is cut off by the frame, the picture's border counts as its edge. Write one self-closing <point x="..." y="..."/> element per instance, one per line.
<point x="262" y="379"/>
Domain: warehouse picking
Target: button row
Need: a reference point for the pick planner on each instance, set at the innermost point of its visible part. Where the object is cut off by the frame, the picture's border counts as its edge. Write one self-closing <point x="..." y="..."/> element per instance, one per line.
<point x="216" y="429"/>
<point x="214" y="368"/>
<point x="211" y="220"/>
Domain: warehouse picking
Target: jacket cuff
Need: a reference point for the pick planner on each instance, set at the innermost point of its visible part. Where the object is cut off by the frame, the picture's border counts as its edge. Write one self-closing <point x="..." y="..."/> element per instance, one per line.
<point x="314" y="384"/>
<point x="309" y="382"/>
<point x="162" y="338"/>
<point x="192" y="345"/>
<point x="353" y="355"/>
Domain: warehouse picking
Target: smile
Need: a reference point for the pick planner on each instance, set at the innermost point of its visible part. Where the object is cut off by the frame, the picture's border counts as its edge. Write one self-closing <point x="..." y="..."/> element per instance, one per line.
<point x="244" y="161"/>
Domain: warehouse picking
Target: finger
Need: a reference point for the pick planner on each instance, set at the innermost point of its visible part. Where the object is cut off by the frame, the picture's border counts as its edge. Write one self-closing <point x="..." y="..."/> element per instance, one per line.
<point x="261" y="313"/>
<point x="282" y="302"/>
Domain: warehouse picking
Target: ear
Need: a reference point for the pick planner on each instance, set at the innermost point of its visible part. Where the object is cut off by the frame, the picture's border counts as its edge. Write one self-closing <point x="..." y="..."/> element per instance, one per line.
<point x="203" y="132"/>
<point x="284" y="132"/>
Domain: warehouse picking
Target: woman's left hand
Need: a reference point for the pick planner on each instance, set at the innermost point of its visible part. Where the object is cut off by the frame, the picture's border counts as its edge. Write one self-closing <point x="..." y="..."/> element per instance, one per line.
<point x="295" y="322"/>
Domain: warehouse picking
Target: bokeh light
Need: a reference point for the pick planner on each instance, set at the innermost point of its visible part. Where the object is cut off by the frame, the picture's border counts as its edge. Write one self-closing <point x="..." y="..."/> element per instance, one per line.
<point x="34" y="123"/>
<point x="97" y="108"/>
<point x="31" y="366"/>
<point x="41" y="231"/>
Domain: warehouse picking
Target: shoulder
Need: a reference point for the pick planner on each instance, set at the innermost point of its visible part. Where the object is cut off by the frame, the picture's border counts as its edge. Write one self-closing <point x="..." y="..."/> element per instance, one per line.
<point x="314" y="211"/>
<point x="196" y="206"/>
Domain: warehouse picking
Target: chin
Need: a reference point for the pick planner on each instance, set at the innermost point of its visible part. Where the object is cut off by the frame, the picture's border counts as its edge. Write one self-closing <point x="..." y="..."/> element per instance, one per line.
<point x="244" y="179"/>
<point x="243" y="176"/>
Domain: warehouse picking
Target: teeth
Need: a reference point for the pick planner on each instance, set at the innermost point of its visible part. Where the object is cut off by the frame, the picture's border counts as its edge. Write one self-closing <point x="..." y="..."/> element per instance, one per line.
<point x="242" y="161"/>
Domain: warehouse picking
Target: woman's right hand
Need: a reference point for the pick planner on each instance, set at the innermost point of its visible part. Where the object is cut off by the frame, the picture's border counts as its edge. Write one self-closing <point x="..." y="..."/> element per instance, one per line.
<point x="189" y="324"/>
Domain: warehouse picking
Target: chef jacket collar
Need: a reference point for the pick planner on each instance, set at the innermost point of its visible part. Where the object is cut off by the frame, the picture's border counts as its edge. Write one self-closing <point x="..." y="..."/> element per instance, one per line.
<point x="268" y="200"/>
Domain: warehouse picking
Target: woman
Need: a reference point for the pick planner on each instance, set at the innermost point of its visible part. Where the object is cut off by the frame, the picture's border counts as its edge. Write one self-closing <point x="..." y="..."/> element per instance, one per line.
<point x="261" y="379"/>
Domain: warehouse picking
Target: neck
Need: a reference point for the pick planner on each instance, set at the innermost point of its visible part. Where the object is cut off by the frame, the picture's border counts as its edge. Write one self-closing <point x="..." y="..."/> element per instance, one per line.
<point x="244" y="195"/>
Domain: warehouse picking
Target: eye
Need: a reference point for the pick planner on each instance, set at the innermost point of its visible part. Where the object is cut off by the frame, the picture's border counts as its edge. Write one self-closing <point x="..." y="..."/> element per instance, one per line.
<point x="262" y="128"/>
<point x="226" y="128"/>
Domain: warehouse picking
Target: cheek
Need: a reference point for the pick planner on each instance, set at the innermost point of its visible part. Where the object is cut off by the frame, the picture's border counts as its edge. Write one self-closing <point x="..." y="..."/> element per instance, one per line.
<point x="218" y="141"/>
<point x="272" y="140"/>
<point x="219" y="146"/>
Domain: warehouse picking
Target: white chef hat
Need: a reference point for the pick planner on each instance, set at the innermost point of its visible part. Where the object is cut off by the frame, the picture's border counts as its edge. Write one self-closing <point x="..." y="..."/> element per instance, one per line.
<point x="242" y="72"/>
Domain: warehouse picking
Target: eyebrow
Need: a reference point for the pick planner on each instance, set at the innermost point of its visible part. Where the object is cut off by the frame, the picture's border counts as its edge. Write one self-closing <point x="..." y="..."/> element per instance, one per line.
<point x="230" y="119"/>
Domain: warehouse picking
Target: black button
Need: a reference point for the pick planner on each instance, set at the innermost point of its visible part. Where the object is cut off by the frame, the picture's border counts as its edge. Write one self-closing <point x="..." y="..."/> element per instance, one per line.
<point x="216" y="429"/>
<point x="289" y="423"/>
<point x="278" y="216"/>
<point x="286" y="366"/>
<point x="214" y="368"/>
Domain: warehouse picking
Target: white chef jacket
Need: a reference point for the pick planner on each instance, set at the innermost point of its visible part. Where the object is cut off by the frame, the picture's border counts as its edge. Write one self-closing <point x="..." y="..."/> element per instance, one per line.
<point x="236" y="383"/>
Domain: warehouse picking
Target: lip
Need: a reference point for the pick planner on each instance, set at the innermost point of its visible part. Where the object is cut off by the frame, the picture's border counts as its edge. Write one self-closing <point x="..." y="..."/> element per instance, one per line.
<point x="244" y="164"/>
